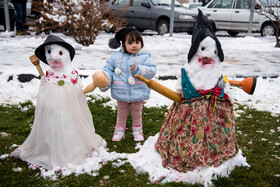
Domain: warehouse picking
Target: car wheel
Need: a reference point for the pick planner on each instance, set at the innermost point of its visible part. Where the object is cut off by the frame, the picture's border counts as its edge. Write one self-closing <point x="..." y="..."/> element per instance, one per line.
<point x="268" y="30"/>
<point x="163" y="27"/>
<point x="232" y="33"/>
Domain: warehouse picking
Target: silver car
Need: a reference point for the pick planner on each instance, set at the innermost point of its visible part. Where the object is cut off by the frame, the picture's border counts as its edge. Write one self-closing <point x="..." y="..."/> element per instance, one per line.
<point x="233" y="16"/>
<point x="154" y="15"/>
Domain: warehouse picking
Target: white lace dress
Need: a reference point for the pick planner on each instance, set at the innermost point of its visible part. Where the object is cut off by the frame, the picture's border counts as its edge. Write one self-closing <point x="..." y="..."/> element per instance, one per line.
<point x="63" y="130"/>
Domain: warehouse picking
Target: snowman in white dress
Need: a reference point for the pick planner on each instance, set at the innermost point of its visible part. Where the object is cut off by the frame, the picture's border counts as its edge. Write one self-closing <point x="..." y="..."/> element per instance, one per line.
<point x="63" y="131"/>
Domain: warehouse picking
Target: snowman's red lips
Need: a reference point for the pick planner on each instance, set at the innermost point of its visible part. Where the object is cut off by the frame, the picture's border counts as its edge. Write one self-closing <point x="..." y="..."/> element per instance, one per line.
<point x="56" y="64"/>
<point x="206" y="61"/>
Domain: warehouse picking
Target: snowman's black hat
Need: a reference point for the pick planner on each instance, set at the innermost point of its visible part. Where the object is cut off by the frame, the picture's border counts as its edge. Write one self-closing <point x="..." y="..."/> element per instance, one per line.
<point x="115" y="42"/>
<point x="202" y="30"/>
<point x="51" y="39"/>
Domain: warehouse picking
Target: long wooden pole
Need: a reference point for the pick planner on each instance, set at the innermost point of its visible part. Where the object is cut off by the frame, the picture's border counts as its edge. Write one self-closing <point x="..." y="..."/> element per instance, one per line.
<point x="161" y="89"/>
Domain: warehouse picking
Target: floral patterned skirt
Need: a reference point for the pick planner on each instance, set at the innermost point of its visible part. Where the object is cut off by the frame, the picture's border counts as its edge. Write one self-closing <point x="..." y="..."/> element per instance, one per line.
<point x="197" y="132"/>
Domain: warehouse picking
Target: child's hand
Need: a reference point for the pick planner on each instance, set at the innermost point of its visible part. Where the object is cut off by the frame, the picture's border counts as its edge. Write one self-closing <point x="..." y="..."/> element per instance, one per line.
<point x="132" y="68"/>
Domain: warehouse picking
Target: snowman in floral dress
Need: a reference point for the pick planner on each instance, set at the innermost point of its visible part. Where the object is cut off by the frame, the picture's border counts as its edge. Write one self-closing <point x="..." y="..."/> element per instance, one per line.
<point x="63" y="131"/>
<point x="200" y="130"/>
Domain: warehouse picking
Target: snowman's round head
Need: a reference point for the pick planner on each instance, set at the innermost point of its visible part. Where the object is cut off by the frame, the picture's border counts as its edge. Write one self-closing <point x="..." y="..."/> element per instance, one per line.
<point x="204" y="68"/>
<point x="58" y="57"/>
<point x="207" y="54"/>
<point x="51" y="47"/>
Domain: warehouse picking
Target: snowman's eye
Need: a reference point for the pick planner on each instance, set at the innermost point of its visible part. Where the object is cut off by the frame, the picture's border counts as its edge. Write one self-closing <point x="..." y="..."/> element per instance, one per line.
<point x="215" y="52"/>
<point x="49" y="51"/>
<point x="60" y="53"/>
<point x="202" y="48"/>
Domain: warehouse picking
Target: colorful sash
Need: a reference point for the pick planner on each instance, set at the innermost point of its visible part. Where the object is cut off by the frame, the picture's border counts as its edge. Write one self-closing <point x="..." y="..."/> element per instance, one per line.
<point x="190" y="92"/>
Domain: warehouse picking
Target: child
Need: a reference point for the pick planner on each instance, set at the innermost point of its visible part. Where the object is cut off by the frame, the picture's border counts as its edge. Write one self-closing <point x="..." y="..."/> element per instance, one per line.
<point x="129" y="92"/>
<point x="63" y="130"/>
<point x="200" y="130"/>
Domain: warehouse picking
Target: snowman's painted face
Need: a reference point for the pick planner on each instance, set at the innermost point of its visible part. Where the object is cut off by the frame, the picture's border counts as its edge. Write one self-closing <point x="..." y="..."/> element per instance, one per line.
<point x="58" y="57"/>
<point x="204" y="68"/>
<point x="207" y="54"/>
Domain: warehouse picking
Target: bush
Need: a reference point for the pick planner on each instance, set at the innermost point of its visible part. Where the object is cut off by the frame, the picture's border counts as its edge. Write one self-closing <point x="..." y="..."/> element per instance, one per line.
<point x="84" y="20"/>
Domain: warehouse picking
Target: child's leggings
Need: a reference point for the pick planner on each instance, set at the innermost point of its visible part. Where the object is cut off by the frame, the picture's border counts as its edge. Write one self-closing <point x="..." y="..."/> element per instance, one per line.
<point x="135" y="111"/>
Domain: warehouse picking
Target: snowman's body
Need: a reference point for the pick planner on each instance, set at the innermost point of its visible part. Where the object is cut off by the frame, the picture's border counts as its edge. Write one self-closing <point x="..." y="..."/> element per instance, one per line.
<point x="63" y="131"/>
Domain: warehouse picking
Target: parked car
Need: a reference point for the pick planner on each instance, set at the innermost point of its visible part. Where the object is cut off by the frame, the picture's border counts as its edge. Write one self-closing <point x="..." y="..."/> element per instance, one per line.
<point x="154" y="15"/>
<point x="11" y="13"/>
<point x="233" y="16"/>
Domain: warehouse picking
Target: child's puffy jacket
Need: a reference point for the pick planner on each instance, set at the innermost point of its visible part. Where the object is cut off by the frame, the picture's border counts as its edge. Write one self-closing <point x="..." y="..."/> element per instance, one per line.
<point x="121" y="90"/>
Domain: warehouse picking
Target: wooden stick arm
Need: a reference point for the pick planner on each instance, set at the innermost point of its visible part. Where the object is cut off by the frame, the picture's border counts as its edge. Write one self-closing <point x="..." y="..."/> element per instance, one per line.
<point x="90" y="88"/>
<point x="99" y="79"/>
<point x="35" y="61"/>
<point x="141" y="78"/>
<point x="161" y="89"/>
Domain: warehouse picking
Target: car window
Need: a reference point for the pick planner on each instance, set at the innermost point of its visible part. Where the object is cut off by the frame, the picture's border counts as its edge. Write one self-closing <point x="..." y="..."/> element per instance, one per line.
<point x="221" y="4"/>
<point x="212" y="4"/>
<point x="195" y="5"/>
<point x="243" y="4"/>
<point x="165" y="2"/>
<point x="121" y="2"/>
<point x="138" y="2"/>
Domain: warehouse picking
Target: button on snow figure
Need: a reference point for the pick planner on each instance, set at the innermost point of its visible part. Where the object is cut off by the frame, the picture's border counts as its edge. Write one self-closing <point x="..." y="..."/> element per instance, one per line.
<point x="63" y="131"/>
<point x="199" y="130"/>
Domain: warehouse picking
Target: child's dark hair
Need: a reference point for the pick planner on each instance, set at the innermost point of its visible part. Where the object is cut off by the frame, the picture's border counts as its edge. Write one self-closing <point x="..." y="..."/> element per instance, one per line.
<point x="133" y="36"/>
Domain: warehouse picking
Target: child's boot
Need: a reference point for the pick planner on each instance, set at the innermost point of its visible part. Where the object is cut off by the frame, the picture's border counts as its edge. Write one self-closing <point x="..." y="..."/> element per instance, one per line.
<point x="137" y="133"/>
<point x="118" y="134"/>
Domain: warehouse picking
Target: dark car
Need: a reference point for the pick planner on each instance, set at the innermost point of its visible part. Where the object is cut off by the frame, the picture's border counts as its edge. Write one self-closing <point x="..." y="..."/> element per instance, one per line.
<point x="154" y="15"/>
<point x="11" y="13"/>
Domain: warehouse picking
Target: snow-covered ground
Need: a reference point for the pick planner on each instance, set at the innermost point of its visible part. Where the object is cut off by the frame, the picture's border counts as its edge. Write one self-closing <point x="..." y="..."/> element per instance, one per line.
<point x="244" y="56"/>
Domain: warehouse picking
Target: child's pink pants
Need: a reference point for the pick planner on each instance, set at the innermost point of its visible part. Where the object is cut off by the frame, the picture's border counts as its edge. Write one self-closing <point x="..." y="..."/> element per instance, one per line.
<point x="135" y="111"/>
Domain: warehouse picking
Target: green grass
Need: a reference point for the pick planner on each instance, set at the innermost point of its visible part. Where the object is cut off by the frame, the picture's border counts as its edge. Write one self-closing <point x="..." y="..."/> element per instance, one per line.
<point x="257" y="136"/>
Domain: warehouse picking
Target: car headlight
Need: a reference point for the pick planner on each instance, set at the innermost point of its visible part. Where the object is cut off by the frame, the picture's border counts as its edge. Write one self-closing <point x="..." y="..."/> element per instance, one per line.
<point x="185" y="17"/>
